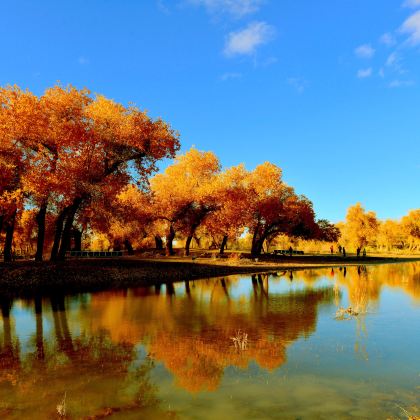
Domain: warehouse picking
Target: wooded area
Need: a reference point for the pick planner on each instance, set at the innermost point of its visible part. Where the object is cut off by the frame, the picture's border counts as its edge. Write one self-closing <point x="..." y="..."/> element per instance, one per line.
<point x="77" y="173"/>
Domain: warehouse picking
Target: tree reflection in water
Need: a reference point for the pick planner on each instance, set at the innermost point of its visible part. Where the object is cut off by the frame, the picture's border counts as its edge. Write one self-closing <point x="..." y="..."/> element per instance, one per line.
<point x="99" y="376"/>
<point x="101" y="349"/>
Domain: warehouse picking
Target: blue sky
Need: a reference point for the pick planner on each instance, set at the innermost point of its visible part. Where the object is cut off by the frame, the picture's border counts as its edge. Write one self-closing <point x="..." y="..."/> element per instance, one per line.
<point x="328" y="90"/>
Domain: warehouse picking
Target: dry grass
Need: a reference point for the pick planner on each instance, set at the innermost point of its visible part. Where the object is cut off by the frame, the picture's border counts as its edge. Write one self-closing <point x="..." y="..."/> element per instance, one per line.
<point x="346" y="313"/>
<point x="61" y="407"/>
<point x="240" y="340"/>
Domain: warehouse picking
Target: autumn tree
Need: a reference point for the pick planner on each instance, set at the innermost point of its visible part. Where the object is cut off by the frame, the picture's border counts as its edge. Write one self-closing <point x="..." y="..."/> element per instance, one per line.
<point x="119" y="141"/>
<point x="123" y="218"/>
<point x="389" y="234"/>
<point x="53" y="187"/>
<point x="411" y="228"/>
<point x="25" y="231"/>
<point x="184" y="194"/>
<point x="360" y="227"/>
<point x="39" y="137"/>
<point x="274" y="208"/>
<point x="20" y="127"/>
<point x="62" y="148"/>
<point x="157" y="230"/>
<point x="328" y="232"/>
<point x="230" y="218"/>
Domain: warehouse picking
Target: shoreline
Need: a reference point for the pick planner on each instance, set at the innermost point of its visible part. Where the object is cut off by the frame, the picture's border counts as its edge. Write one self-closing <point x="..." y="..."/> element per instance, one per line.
<point x="28" y="278"/>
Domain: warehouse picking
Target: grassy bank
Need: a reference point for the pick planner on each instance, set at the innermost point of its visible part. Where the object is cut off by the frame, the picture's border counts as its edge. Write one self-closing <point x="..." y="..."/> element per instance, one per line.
<point x="27" y="278"/>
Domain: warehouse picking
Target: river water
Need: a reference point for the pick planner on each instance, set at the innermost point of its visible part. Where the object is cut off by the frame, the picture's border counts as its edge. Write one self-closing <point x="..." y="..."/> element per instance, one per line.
<point x="239" y="347"/>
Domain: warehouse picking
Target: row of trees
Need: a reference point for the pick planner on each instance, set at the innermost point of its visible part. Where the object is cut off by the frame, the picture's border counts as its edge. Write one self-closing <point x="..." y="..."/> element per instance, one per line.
<point x="195" y="198"/>
<point x="78" y="167"/>
<point x="362" y="228"/>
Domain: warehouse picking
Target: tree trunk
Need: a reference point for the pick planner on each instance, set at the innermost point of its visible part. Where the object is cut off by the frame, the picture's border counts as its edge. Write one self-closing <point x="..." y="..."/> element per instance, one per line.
<point x="260" y="246"/>
<point x="77" y="237"/>
<point x="193" y="228"/>
<point x="198" y="241"/>
<point x="128" y="247"/>
<point x="223" y="244"/>
<point x="268" y="244"/>
<point x="58" y="232"/>
<point x="116" y="246"/>
<point x="187" y="245"/>
<point x="10" y="230"/>
<point x="169" y="241"/>
<point x="254" y="247"/>
<point x="40" y="220"/>
<point x="66" y="236"/>
<point x="158" y="242"/>
<point x="257" y="244"/>
<point x="255" y="237"/>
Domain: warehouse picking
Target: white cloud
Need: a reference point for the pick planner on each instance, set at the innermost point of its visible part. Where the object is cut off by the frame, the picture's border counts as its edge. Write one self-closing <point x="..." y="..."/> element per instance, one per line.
<point x="392" y="59"/>
<point x="401" y="83"/>
<point x="364" y="73"/>
<point x="412" y="27"/>
<point x="161" y="5"/>
<point x="411" y="3"/>
<point x="381" y="73"/>
<point x="364" y="51"/>
<point x="388" y="39"/>
<point x="235" y="8"/>
<point x="229" y="76"/>
<point x="298" y="83"/>
<point x="246" y="41"/>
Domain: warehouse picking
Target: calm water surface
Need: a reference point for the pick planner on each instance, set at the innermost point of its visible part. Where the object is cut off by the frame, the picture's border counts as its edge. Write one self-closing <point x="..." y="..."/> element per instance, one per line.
<point x="168" y="351"/>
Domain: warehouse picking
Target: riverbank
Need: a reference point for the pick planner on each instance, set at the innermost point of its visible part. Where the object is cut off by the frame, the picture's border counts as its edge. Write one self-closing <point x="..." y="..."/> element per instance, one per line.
<point x="27" y="278"/>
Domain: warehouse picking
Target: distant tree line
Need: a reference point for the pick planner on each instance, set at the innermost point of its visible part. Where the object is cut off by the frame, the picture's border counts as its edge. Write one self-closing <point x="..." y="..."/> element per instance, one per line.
<point x="363" y="229"/>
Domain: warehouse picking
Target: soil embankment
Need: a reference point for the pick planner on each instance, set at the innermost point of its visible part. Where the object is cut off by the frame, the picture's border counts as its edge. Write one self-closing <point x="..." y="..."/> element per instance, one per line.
<point x="27" y="278"/>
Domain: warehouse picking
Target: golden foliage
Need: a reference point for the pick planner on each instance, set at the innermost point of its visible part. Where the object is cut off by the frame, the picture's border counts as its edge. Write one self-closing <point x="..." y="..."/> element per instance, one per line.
<point x="360" y="227"/>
